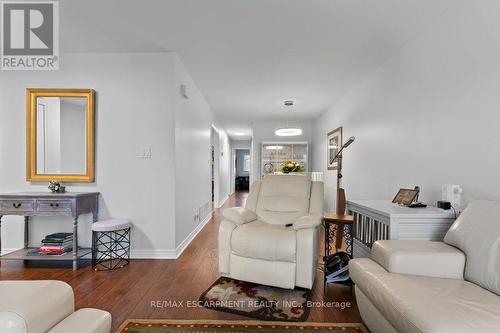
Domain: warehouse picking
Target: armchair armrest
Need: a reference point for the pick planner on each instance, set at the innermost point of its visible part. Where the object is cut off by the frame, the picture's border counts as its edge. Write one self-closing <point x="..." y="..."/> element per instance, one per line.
<point x="425" y="258"/>
<point x="307" y="222"/>
<point x="239" y="215"/>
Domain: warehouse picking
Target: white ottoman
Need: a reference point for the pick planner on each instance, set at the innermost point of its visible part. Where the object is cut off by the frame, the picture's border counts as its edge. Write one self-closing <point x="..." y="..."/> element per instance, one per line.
<point x="110" y="244"/>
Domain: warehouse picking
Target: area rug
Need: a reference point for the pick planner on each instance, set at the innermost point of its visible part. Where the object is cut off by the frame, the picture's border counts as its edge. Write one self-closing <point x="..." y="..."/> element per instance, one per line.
<point x="219" y="326"/>
<point x="257" y="301"/>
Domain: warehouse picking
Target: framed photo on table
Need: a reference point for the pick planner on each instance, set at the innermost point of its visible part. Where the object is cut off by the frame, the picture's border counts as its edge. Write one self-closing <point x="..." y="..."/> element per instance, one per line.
<point x="333" y="144"/>
<point x="405" y="197"/>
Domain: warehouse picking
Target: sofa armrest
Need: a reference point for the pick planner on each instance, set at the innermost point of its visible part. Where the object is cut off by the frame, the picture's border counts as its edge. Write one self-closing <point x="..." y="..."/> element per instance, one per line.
<point x="85" y="321"/>
<point x="12" y="322"/>
<point x="307" y="222"/>
<point x="425" y="258"/>
<point x="239" y="215"/>
<point x="40" y="304"/>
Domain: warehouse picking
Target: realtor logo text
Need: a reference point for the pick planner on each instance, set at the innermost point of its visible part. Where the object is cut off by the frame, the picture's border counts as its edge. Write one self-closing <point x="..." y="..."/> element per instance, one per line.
<point x="30" y="35"/>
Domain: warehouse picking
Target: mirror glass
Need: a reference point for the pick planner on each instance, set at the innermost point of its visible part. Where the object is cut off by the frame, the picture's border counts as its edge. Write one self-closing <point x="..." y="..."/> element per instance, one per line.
<point x="61" y="135"/>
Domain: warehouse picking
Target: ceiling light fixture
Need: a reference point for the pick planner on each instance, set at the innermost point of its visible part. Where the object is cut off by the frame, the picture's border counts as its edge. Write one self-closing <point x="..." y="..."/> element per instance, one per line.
<point x="239" y="133"/>
<point x="288" y="130"/>
<point x="274" y="147"/>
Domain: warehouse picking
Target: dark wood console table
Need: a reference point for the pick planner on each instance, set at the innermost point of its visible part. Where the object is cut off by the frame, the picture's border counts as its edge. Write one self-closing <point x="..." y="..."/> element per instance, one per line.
<point x="30" y="204"/>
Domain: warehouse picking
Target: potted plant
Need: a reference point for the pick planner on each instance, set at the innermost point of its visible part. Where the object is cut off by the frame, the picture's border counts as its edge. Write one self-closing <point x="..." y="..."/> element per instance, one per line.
<point x="291" y="166"/>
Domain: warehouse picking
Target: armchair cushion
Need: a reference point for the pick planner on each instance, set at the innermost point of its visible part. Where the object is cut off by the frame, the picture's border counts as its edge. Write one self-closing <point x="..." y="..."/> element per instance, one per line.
<point x="260" y="240"/>
<point x="425" y="258"/>
<point x="307" y="222"/>
<point x="239" y="215"/>
<point x="283" y="198"/>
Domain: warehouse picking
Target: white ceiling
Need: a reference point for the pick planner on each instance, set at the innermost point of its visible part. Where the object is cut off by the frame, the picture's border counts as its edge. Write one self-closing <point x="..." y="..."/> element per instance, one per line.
<point x="248" y="56"/>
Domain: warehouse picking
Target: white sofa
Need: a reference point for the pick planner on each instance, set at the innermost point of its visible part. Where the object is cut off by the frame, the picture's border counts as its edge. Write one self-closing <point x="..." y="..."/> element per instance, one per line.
<point x="435" y="287"/>
<point x="255" y="244"/>
<point x="46" y="307"/>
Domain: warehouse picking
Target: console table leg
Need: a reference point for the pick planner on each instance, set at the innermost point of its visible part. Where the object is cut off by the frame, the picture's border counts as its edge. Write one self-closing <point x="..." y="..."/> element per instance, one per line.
<point x="75" y="243"/>
<point x="26" y="231"/>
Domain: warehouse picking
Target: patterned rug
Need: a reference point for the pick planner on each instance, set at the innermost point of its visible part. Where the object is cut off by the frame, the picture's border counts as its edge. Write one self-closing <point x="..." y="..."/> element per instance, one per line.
<point x="257" y="301"/>
<point x="212" y="326"/>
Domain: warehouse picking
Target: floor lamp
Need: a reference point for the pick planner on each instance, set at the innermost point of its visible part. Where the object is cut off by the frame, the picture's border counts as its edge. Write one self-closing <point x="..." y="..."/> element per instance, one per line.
<point x="340" y="190"/>
<point x="341" y="204"/>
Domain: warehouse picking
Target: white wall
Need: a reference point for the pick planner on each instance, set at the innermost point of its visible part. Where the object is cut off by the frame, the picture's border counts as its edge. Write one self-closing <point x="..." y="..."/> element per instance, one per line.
<point x="241" y="144"/>
<point x="193" y="122"/>
<point x="427" y="117"/>
<point x="134" y="109"/>
<point x="224" y="177"/>
<point x="264" y="131"/>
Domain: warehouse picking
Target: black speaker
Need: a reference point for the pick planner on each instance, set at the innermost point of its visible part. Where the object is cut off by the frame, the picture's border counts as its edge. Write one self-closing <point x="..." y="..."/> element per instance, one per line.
<point x="444" y="205"/>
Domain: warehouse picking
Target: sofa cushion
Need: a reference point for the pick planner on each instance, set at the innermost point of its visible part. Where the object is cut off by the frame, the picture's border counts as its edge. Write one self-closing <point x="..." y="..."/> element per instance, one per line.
<point x="283" y="198"/>
<point x="260" y="240"/>
<point x="418" y="257"/>
<point x="477" y="233"/>
<point x="416" y="304"/>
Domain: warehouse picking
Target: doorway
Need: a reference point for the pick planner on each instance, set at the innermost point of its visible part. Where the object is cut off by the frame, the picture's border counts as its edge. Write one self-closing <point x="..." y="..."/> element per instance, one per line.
<point x="242" y="165"/>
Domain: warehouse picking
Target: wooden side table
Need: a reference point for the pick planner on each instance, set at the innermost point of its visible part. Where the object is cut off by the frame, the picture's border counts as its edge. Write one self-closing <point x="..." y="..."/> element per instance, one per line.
<point x="338" y="228"/>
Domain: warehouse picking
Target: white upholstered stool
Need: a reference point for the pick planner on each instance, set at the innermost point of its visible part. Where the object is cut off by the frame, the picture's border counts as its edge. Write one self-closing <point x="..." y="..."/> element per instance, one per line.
<point x="110" y="244"/>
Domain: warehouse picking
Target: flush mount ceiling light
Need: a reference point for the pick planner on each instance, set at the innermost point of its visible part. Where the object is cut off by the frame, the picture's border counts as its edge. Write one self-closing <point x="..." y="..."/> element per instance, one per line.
<point x="274" y="147"/>
<point x="288" y="130"/>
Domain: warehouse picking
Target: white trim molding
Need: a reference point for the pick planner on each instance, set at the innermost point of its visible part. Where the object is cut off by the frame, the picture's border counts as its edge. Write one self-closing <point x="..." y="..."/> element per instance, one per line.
<point x="170" y="253"/>
<point x="222" y="202"/>
<point x="182" y="246"/>
<point x="8" y="250"/>
<point x="153" y="254"/>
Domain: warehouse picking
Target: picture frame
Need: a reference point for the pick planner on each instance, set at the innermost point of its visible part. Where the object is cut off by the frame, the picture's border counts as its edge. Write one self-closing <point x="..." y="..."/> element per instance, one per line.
<point x="405" y="196"/>
<point x="334" y="141"/>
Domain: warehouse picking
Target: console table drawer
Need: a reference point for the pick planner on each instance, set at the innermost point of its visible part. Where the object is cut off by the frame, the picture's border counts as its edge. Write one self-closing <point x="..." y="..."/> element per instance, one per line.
<point x="54" y="206"/>
<point x="16" y="206"/>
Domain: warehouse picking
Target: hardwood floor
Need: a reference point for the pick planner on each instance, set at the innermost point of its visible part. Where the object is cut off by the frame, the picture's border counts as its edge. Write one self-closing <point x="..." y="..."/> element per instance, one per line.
<point x="129" y="292"/>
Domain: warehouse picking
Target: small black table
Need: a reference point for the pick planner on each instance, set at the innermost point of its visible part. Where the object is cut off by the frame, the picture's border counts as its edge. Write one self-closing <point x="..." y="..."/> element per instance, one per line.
<point x="338" y="228"/>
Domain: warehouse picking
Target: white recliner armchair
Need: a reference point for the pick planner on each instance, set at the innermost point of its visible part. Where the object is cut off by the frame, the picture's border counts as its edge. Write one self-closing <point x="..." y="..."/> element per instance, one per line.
<point x="274" y="239"/>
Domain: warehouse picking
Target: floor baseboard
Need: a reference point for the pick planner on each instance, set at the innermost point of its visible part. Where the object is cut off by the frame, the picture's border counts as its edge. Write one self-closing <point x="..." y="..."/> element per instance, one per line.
<point x="223" y="201"/>
<point x="170" y="253"/>
<point x="182" y="246"/>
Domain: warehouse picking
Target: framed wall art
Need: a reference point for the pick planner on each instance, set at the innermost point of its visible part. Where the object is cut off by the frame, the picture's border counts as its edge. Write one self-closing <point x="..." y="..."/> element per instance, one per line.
<point x="333" y="144"/>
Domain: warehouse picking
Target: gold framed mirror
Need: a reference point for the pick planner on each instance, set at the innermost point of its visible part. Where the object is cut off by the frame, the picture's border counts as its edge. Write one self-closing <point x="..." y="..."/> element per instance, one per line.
<point x="60" y="135"/>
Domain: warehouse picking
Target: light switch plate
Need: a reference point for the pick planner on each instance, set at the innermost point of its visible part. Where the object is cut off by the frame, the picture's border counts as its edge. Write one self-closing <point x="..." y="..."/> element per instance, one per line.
<point x="145" y="153"/>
